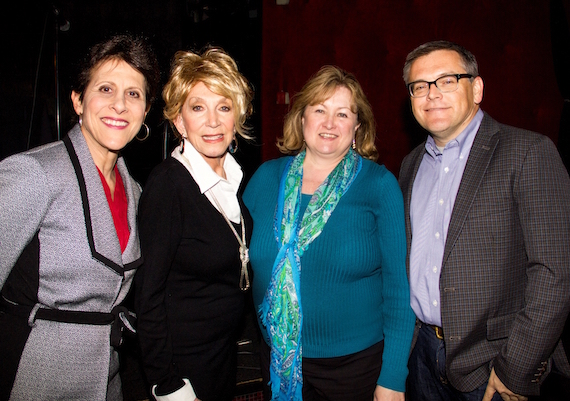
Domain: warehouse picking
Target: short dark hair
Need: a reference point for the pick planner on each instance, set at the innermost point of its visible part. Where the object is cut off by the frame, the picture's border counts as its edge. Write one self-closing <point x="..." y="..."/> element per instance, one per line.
<point x="134" y="50"/>
<point x="468" y="59"/>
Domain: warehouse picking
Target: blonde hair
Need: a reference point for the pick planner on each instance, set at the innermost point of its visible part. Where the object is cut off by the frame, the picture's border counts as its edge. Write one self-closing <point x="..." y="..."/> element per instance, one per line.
<point x="219" y="72"/>
<point x="319" y="88"/>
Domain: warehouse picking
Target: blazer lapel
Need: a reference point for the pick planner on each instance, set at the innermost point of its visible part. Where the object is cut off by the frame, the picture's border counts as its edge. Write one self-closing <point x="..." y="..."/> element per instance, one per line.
<point x="99" y="224"/>
<point x="131" y="257"/>
<point x="481" y="153"/>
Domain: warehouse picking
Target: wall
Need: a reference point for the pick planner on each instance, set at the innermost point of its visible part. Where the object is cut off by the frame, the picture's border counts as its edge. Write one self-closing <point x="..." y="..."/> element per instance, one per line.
<point x="29" y="38"/>
<point x="510" y="38"/>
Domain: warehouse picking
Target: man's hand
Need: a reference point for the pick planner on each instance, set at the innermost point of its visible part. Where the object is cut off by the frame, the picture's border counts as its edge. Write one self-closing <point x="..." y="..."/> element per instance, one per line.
<point x="496" y="386"/>
<point x="385" y="394"/>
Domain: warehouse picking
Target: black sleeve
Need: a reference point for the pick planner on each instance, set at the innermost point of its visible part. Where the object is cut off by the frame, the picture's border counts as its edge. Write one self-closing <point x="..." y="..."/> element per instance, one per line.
<point x="160" y="233"/>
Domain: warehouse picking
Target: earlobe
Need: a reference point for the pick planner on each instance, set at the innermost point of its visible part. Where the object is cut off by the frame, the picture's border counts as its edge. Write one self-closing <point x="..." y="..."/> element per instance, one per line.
<point x="179" y="125"/>
<point x="77" y="105"/>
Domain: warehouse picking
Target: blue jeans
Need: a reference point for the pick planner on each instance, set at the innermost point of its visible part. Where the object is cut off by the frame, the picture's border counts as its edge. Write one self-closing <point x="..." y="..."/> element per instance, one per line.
<point x="427" y="380"/>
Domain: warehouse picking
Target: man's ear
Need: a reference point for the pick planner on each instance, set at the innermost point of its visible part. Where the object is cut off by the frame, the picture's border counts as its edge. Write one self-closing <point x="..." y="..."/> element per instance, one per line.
<point x="478" y="87"/>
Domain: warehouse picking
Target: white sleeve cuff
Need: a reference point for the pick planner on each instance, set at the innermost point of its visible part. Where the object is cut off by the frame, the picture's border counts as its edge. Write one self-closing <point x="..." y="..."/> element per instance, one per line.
<point x="185" y="393"/>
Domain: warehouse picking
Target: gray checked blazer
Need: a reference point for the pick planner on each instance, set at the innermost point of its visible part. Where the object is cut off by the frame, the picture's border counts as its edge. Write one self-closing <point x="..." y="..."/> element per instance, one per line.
<point x="505" y="276"/>
<point x="59" y="250"/>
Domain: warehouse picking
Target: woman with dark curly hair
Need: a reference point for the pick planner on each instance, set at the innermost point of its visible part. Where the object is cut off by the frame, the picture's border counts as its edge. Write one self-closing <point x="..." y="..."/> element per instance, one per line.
<point x="69" y="244"/>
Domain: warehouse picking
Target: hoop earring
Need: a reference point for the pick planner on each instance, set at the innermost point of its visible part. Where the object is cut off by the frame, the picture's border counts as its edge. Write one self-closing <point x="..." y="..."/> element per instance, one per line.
<point x="147" y="133"/>
<point x="182" y="145"/>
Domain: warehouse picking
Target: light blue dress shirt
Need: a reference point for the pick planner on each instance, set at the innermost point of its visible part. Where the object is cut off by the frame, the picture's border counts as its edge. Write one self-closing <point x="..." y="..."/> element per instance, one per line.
<point x="433" y="196"/>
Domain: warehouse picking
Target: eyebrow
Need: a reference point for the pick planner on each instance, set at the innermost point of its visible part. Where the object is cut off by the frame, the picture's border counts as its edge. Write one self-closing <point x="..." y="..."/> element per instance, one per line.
<point x="223" y="101"/>
<point x="338" y="108"/>
<point x="440" y="76"/>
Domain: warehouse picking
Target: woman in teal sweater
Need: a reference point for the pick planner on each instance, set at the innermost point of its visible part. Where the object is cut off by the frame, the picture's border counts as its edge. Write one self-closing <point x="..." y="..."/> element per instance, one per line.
<point x="328" y="253"/>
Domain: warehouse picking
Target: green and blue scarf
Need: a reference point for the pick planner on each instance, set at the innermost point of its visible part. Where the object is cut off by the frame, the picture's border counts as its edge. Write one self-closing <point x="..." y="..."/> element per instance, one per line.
<point x="281" y="312"/>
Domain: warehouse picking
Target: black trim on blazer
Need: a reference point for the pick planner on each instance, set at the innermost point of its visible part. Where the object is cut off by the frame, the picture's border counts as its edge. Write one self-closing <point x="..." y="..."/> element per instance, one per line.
<point x="86" y="212"/>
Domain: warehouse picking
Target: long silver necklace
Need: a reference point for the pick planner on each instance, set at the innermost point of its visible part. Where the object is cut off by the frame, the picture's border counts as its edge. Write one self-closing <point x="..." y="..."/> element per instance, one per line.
<point x="243" y="249"/>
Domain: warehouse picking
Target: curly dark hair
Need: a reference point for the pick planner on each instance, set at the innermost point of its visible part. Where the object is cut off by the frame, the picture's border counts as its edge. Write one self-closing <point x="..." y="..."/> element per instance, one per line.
<point x="133" y="50"/>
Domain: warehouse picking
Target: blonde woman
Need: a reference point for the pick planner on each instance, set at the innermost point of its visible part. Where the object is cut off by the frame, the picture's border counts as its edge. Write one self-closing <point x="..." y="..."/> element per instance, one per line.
<point x="194" y="233"/>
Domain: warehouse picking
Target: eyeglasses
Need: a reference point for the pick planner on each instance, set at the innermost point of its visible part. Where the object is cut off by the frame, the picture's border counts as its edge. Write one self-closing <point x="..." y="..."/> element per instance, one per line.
<point x="447" y="83"/>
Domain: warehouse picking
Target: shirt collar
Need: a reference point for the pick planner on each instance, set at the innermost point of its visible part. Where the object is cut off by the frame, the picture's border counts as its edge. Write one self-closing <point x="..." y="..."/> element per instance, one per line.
<point x="201" y="171"/>
<point x="464" y="140"/>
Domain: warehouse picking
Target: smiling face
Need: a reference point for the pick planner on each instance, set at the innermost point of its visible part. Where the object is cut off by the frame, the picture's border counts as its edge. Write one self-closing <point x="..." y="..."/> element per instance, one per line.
<point x="112" y="110"/>
<point x="207" y="121"/>
<point x="444" y="115"/>
<point x="329" y="127"/>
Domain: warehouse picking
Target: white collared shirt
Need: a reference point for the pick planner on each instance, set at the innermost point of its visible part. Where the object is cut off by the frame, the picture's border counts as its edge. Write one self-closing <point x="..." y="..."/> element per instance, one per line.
<point x="225" y="190"/>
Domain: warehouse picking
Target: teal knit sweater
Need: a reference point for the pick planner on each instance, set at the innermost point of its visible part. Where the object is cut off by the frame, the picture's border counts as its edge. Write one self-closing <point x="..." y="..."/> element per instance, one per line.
<point x="354" y="288"/>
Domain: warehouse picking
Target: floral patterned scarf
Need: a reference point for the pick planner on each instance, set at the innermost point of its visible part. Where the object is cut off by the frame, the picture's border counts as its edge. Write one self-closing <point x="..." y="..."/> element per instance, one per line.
<point x="281" y="312"/>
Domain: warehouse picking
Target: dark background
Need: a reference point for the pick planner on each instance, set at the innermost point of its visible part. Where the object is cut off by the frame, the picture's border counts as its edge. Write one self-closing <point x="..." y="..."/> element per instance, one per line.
<point x="37" y="33"/>
<point x="522" y="47"/>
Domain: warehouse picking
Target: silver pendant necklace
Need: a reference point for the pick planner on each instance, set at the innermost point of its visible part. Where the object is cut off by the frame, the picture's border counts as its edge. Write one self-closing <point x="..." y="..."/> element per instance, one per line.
<point x="243" y="249"/>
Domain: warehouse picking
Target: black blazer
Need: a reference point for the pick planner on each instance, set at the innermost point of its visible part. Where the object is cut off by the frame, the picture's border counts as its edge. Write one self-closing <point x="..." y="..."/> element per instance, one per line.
<point x="188" y="300"/>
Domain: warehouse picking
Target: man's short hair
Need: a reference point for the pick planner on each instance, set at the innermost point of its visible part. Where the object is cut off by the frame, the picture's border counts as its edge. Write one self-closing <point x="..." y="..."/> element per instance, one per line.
<point x="468" y="59"/>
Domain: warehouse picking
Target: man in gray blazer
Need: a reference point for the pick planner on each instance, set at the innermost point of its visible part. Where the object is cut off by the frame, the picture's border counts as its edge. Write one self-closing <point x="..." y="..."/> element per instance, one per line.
<point x="488" y="226"/>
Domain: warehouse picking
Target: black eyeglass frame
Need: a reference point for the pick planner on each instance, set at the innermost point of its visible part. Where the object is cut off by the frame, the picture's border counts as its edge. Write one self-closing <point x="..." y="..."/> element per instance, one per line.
<point x="458" y="76"/>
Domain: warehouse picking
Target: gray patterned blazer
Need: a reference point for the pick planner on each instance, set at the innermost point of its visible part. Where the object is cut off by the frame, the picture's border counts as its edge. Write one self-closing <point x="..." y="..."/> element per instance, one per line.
<point x="57" y="231"/>
<point x="505" y="279"/>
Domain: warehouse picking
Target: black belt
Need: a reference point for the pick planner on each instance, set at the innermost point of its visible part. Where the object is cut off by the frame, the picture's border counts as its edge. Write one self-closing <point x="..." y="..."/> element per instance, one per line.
<point x="120" y="317"/>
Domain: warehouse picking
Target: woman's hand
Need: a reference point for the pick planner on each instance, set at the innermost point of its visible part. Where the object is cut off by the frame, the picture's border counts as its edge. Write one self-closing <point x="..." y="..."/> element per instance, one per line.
<point x="385" y="394"/>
